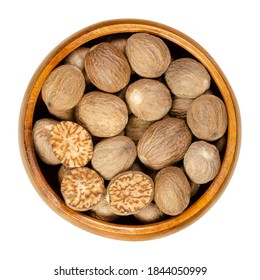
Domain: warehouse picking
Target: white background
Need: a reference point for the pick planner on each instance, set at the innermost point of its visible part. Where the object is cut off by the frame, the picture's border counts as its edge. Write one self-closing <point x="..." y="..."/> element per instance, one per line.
<point x="34" y="240"/>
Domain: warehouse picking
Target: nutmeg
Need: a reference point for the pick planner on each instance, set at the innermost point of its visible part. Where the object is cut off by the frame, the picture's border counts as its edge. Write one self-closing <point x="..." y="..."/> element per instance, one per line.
<point x="207" y="117"/>
<point x="180" y="107"/>
<point x="149" y="214"/>
<point x="202" y="162"/>
<point x="102" y="114"/>
<point x="107" y="67"/>
<point x="41" y="139"/>
<point x="63" y="88"/>
<point x="82" y="188"/>
<point x="71" y="144"/>
<point x="102" y="211"/>
<point x="113" y="155"/>
<point x="136" y="127"/>
<point x="148" y="99"/>
<point x="187" y="78"/>
<point x="129" y="192"/>
<point x="172" y="190"/>
<point x="77" y="58"/>
<point x="148" y="55"/>
<point x="164" y="143"/>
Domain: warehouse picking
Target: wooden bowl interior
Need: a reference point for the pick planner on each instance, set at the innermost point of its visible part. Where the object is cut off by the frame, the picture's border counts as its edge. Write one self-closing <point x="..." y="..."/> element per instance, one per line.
<point x="44" y="177"/>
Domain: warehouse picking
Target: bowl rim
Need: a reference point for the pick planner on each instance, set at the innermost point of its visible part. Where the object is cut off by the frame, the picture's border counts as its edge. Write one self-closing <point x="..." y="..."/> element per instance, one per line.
<point x="113" y="230"/>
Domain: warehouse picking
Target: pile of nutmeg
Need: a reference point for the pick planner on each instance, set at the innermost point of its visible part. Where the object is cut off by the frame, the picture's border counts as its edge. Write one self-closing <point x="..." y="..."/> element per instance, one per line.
<point x="135" y="130"/>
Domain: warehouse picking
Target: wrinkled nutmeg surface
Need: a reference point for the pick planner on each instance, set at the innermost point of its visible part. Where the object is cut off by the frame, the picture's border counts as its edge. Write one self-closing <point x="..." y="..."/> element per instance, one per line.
<point x="41" y="138"/>
<point x="164" y="143"/>
<point x="113" y="155"/>
<point x="107" y="67"/>
<point x="136" y="127"/>
<point x="207" y="117"/>
<point x="102" y="114"/>
<point x="202" y="162"/>
<point x="63" y="88"/>
<point x="148" y="55"/>
<point x="148" y="99"/>
<point x="187" y="78"/>
<point x="172" y="190"/>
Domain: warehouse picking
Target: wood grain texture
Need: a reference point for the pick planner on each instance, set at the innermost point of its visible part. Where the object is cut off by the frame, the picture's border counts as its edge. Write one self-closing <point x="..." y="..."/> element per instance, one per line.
<point x="42" y="183"/>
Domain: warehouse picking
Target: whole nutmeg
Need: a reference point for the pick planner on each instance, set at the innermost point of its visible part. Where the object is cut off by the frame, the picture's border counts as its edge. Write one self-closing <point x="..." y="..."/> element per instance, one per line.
<point x="41" y="139"/>
<point x="164" y="143"/>
<point x="107" y="67"/>
<point x="119" y="41"/>
<point x="187" y="78"/>
<point x="136" y="127"/>
<point x="149" y="214"/>
<point x="113" y="155"/>
<point x="148" y="99"/>
<point x="202" y="162"/>
<point x="102" y="211"/>
<point x="207" y="117"/>
<point x="77" y="58"/>
<point x="172" y="190"/>
<point x="82" y="188"/>
<point x="148" y="55"/>
<point x="129" y="192"/>
<point x="180" y="107"/>
<point x="63" y="88"/>
<point x="102" y="114"/>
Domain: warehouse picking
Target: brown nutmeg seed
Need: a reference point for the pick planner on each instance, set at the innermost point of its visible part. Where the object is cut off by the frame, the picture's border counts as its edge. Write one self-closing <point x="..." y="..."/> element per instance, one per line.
<point x="136" y="127"/>
<point x="172" y="190"/>
<point x="148" y="55"/>
<point x="207" y="117"/>
<point x="149" y="214"/>
<point x="202" y="162"/>
<point x="102" y="114"/>
<point x="107" y="67"/>
<point x="180" y="106"/>
<point x="164" y="143"/>
<point x="113" y="155"/>
<point x="148" y="99"/>
<point x="102" y="211"/>
<point x="63" y="88"/>
<point x="41" y="139"/>
<point x="187" y="78"/>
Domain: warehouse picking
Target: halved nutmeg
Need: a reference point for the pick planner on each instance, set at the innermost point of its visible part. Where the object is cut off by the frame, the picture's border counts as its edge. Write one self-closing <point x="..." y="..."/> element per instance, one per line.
<point x="71" y="144"/>
<point x="82" y="188"/>
<point x="129" y="192"/>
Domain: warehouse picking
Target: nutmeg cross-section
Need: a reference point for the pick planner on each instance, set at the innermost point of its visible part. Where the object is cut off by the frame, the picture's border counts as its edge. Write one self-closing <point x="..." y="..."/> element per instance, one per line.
<point x="71" y="144"/>
<point x="82" y="188"/>
<point x="129" y="192"/>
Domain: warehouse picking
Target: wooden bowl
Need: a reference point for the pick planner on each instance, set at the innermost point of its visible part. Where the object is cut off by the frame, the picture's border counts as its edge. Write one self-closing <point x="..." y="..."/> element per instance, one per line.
<point x="43" y="177"/>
